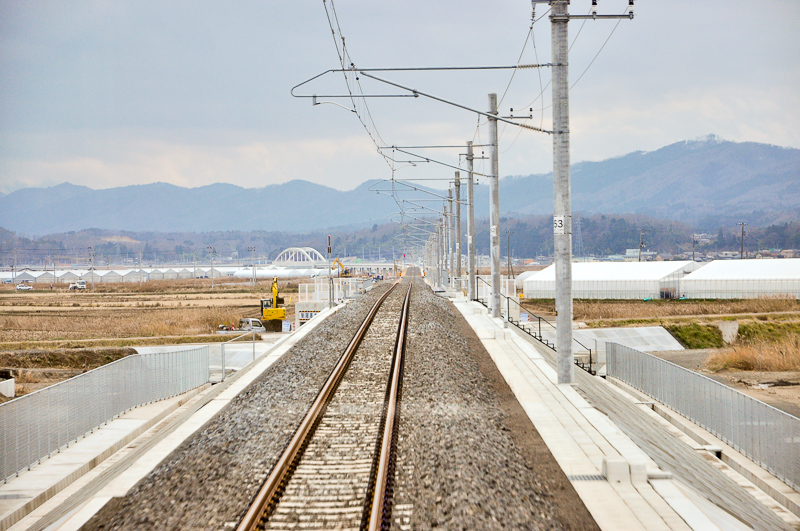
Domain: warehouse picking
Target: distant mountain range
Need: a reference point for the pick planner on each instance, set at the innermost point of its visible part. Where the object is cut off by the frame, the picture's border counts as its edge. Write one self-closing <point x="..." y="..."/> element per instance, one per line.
<point x="707" y="183"/>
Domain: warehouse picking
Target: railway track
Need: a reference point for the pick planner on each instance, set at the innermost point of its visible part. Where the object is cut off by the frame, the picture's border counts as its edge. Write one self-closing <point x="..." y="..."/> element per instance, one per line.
<point x="337" y="470"/>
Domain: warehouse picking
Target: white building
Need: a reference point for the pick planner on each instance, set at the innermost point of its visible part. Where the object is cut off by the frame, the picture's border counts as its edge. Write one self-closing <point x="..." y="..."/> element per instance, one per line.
<point x="744" y="279"/>
<point x="614" y="280"/>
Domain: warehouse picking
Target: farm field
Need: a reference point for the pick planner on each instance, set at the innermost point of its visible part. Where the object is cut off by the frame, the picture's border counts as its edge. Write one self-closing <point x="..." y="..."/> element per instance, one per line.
<point x="50" y="335"/>
<point x="124" y="314"/>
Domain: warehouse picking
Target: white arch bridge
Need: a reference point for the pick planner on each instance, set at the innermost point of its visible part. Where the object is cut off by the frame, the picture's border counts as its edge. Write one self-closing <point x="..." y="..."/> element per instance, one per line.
<point x="307" y="257"/>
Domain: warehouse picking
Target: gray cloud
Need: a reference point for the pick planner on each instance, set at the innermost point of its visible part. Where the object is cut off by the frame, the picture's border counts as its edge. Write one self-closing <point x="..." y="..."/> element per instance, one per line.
<point x="106" y="93"/>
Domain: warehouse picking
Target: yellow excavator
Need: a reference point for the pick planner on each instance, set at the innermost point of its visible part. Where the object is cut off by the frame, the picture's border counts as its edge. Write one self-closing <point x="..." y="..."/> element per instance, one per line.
<point x="271" y="315"/>
<point x="343" y="272"/>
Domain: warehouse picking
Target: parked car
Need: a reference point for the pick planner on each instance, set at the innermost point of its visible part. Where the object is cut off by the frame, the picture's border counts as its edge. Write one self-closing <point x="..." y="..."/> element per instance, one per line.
<point x="24" y="287"/>
<point x="248" y="324"/>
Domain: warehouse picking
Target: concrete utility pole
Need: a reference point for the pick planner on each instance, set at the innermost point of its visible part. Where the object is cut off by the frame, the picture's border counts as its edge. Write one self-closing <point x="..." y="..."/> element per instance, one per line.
<point x="330" y="278"/>
<point x="442" y="256"/>
<point x="508" y="255"/>
<point x="211" y="252"/>
<point x="562" y="203"/>
<point x="439" y="253"/>
<point x="450" y="236"/>
<point x="91" y="260"/>
<point x="494" y="208"/>
<point x="253" y="259"/>
<point x="741" y="249"/>
<point x="641" y="243"/>
<point x="458" y="228"/>
<point x="470" y="223"/>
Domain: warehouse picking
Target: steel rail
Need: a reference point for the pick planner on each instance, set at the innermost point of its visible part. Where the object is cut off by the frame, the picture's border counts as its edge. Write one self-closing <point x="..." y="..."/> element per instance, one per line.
<point x="266" y="498"/>
<point x="379" y="507"/>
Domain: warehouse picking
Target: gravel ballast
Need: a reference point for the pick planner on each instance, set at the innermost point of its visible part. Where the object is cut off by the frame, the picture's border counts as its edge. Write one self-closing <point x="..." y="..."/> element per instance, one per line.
<point x="467" y="457"/>
<point x="210" y="479"/>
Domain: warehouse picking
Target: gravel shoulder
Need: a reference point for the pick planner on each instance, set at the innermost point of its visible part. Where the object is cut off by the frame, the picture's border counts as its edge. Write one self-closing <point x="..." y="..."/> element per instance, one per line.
<point x="209" y="481"/>
<point x="468" y="456"/>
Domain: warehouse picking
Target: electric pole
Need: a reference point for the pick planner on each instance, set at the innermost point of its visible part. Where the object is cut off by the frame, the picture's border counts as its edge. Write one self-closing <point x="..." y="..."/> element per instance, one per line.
<point x="440" y="247"/>
<point x="91" y="261"/>
<point x="470" y="223"/>
<point x="508" y="244"/>
<point x="741" y="249"/>
<point x="694" y="240"/>
<point x="211" y="252"/>
<point x="494" y="208"/>
<point x="562" y="204"/>
<point x="458" y="228"/>
<point x="253" y="258"/>
<point x="450" y="236"/>
<point x="330" y="278"/>
<point x="641" y="243"/>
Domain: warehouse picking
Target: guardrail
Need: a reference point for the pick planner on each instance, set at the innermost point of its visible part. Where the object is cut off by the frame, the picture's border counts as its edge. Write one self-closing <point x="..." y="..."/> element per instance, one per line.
<point x="763" y="433"/>
<point x="34" y="426"/>
<point x="222" y="349"/>
<point x="533" y="333"/>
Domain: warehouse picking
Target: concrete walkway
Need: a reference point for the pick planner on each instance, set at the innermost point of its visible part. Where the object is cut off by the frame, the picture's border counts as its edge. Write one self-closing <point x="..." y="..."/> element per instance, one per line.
<point x="619" y="481"/>
<point x="63" y="492"/>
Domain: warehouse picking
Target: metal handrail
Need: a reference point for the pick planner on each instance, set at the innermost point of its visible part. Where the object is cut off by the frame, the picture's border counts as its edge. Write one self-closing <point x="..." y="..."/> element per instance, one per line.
<point x="222" y="348"/>
<point x="539" y="336"/>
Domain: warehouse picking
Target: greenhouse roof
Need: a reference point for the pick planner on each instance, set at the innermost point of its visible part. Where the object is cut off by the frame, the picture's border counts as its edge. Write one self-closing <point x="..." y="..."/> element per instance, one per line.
<point x="755" y="269"/>
<point x="588" y="271"/>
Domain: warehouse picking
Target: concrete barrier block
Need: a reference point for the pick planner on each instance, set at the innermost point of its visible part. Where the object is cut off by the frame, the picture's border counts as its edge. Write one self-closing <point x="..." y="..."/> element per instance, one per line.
<point x="638" y="473"/>
<point x="615" y="470"/>
<point x="7" y="388"/>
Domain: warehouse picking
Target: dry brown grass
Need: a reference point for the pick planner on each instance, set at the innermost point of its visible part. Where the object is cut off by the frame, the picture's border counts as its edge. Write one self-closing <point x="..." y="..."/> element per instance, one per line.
<point x="781" y="355"/>
<point x="125" y="311"/>
<point x="95" y="323"/>
<point x="589" y="310"/>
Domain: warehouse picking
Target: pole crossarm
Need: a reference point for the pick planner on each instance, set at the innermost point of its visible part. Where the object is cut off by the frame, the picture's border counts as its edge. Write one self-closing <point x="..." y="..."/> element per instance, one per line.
<point x="353" y="70"/>
<point x="417" y="93"/>
<point x="420" y="207"/>
<point x="431" y="147"/>
<point x="411" y="188"/>
<point x="426" y="159"/>
<point x="421" y="220"/>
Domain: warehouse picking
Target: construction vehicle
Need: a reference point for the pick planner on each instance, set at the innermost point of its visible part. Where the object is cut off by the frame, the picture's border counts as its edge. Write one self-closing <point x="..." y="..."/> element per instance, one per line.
<point x="343" y="272"/>
<point x="271" y="315"/>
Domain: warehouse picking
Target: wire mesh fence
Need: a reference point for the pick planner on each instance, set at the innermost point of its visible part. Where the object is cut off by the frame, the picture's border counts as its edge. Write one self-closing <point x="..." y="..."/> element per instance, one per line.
<point x="766" y="435"/>
<point x="34" y="426"/>
<point x="343" y="288"/>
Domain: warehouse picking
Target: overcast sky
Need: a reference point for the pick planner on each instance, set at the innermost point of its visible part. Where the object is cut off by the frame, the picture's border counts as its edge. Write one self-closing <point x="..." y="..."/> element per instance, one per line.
<point x="113" y="93"/>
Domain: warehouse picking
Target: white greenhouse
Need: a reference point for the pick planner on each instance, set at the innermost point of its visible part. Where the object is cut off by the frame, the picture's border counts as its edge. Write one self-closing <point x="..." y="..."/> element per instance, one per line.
<point x="744" y="279"/>
<point x="614" y="280"/>
<point x="519" y="281"/>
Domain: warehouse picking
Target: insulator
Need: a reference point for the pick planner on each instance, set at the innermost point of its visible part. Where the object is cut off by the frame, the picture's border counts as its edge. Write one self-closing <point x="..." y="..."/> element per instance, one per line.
<point x="630" y="7"/>
<point x="594" y="7"/>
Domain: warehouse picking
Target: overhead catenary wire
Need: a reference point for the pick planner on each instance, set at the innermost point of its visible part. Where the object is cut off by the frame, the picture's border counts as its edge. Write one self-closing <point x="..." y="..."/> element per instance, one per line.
<point x="344" y="60"/>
